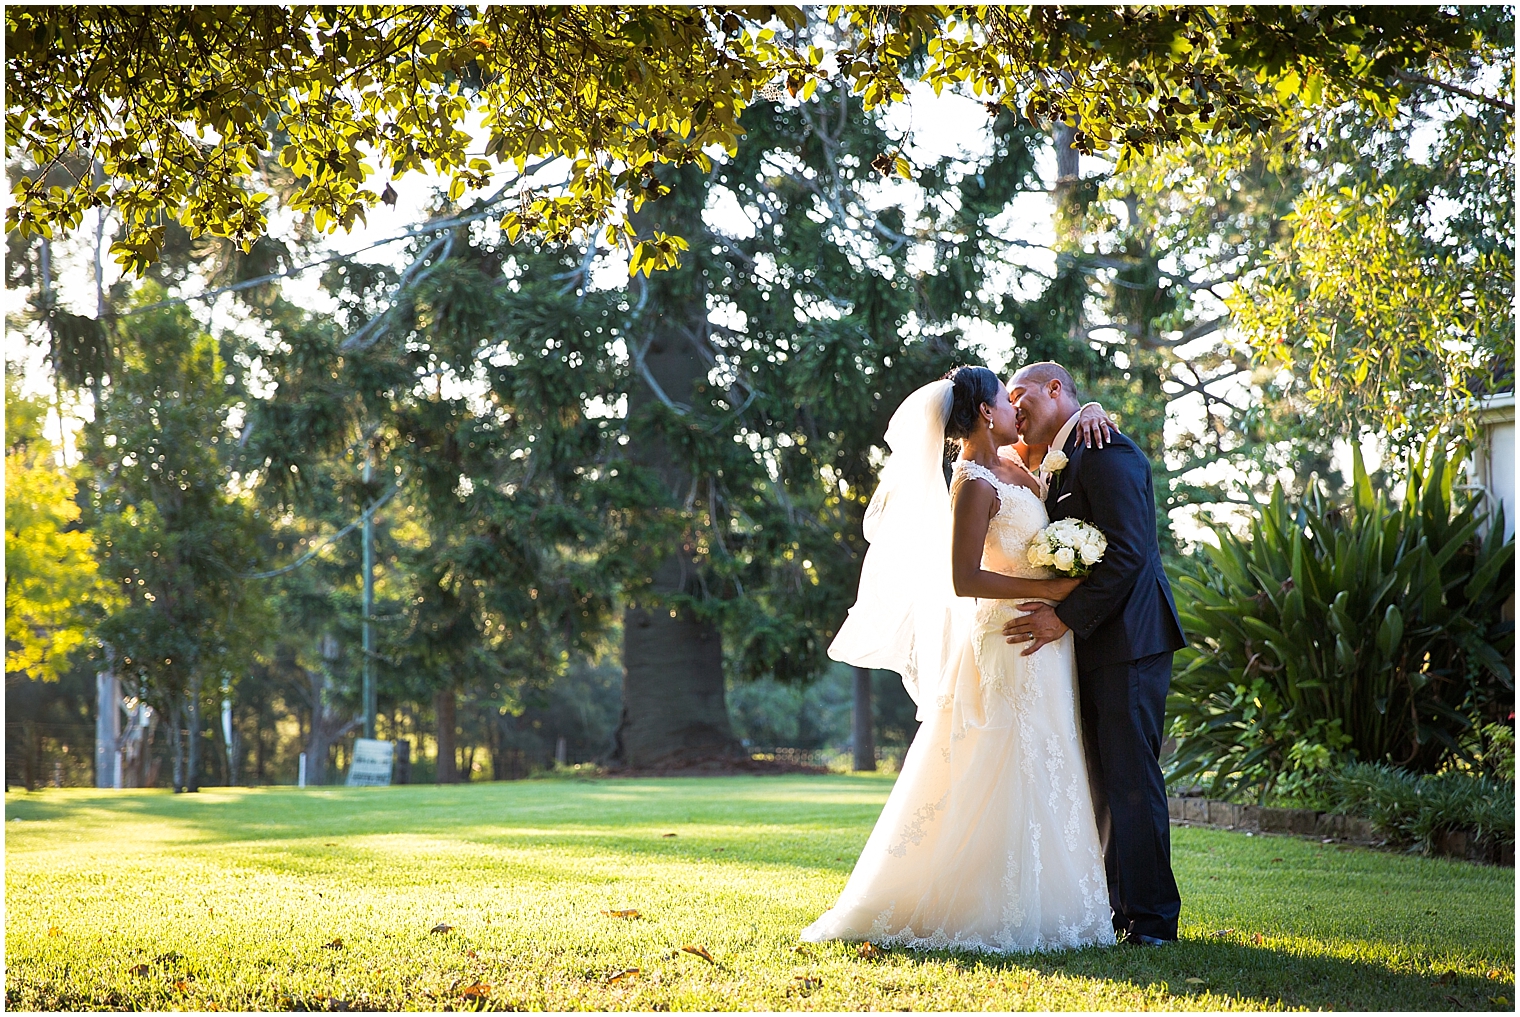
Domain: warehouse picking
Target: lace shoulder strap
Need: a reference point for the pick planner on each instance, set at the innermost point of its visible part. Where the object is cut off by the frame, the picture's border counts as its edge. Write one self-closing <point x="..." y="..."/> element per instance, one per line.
<point x="965" y="469"/>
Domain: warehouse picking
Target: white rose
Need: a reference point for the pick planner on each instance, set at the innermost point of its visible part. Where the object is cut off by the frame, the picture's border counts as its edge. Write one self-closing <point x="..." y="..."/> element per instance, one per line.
<point x="1090" y="554"/>
<point x="1065" y="559"/>
<point x="1035" y="553"/>
<point x="1054" y="461"/>
<point x="1046" y="557"/>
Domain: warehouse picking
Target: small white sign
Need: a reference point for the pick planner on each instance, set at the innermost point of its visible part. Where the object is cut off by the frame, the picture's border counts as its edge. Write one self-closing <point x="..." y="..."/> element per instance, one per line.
<point x="372" y="763"/>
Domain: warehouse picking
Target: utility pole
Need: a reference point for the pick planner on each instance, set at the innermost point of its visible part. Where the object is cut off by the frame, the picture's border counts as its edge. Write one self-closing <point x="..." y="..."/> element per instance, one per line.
<point x="370" y="702"/>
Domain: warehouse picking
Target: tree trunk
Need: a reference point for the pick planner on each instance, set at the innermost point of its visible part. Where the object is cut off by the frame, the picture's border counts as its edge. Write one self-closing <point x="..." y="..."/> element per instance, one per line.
<point x="176" y="745"/>
<point x="193" y="783"/>
<point x="674" y="709"/>
<point x="107" y="726"/>
<point x="863" y="727"/>
<point x="444" y="709"/>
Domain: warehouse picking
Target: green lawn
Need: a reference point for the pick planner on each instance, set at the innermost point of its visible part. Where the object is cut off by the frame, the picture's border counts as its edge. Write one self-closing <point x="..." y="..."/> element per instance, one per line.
<point x="327" y="898"/>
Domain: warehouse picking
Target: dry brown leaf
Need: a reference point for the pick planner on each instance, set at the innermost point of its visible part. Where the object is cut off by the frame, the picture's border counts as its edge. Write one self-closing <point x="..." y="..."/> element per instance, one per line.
<point x="139" y="970"/>
<point x="868" y="950"/>
<point x="699" y="951"/>
<point x="621" y="975"/>
<point x="802" y="950"/>
<point x="330" y="843"/>
<point x="667" y="835"/>
<point x="54" y="930"/>
<point x="1258" y="939"/>
<point x="441" y="928"/>
<point x="623" y="913"/>
<point x="478" y="990"/>
<point x="470" y="953"/>
<point x="804" y="985"/>
<point x="180" y="985"/>
<point x="336" y="944"/>
<point x="1447" y="978"/>
<point x="1495" y="973"/>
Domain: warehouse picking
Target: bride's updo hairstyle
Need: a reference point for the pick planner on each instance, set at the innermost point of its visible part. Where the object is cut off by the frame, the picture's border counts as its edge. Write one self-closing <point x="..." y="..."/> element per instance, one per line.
<point x="971" y="386"/>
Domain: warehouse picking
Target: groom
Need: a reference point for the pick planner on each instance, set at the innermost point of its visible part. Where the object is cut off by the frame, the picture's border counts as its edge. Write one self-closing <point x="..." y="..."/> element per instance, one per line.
<point x="1126" y="629"/>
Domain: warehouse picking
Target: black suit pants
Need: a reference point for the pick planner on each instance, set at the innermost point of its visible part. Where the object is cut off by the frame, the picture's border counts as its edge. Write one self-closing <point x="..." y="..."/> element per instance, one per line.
<point x="1123" y="713"/>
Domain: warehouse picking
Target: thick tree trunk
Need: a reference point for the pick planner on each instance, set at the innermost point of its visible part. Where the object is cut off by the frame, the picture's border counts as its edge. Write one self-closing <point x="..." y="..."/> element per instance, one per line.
<point x="863" y="722"/>
<point x="445" y="709"/>
<point x="674" y="709"/>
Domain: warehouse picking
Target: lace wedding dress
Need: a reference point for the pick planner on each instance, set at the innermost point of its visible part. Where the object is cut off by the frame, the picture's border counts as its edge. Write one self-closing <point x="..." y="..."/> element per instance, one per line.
<point x="988" y="840"/>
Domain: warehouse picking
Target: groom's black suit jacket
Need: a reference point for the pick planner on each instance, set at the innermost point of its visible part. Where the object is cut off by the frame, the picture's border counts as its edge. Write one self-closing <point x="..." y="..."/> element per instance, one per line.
<point x="1124" y="610"/>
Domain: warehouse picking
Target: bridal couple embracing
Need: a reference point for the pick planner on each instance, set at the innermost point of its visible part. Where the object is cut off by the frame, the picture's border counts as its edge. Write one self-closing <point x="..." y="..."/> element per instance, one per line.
<point x="1030" y="812"/>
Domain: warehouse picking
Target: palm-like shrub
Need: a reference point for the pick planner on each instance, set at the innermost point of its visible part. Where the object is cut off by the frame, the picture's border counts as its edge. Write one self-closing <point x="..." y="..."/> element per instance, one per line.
<point x="1368" y="631"/>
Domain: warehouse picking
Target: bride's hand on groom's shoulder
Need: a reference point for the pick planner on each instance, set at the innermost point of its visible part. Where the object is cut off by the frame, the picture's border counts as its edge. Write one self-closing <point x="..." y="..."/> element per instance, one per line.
<point x="1094" y="426"/>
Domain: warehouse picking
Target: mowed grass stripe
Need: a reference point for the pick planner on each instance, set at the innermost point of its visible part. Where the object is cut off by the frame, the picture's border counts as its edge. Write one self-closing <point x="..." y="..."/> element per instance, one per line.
<point x="325" y="898"/>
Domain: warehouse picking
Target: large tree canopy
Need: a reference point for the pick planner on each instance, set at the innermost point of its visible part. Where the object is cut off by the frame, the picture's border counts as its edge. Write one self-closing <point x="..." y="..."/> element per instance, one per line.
<point x="170" y="112"/>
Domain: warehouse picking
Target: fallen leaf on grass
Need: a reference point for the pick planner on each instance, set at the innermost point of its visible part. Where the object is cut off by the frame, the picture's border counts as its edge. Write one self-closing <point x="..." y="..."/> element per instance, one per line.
<point x="667" y="835"/>
<point x="441" y="928"/>
<point x="479" y="990"/>
<point x="804" y="985"/>
<point x="54" y="930"/>
<point x="623" y="913"/>
<point x="1277" y="859"/>
<point x="1196" y="981"/>
<point x="804" y="951"/>
<point x="1452" y="1000"/>
<point x="868" y="950"/>
<point x="1258" y="939"/>
<point x="140" y="970"/>
<point x="621" y="975"/>
<point x="470" y="953"/>
<point x="180" y="985"/>
<point x="1221" y="933"/>
<point x="699" y="951"/>
<point x="1501" y="1001"/>
<point x="336" y="944"/>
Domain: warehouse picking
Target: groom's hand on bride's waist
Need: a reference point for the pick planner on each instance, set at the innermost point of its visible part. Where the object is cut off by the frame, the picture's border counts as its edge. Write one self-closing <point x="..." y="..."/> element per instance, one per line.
<point x="1037" y="626"/>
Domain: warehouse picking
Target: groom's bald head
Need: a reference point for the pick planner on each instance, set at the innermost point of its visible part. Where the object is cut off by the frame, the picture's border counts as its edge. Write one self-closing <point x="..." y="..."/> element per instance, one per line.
<point x="1045" y="397"/>
<point x="1040" y="374"/>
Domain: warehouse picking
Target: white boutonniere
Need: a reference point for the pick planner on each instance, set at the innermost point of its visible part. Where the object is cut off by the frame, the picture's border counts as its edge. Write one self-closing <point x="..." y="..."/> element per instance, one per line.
<point x="1053" y="463"/>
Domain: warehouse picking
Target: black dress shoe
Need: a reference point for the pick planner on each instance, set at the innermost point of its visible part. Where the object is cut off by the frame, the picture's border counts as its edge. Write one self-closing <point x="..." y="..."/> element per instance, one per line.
<point x="1134" y="939"/>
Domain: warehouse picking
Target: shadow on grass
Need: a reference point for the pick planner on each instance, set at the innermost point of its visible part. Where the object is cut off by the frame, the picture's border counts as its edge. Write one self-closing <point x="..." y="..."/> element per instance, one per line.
<point x="1267" y="974"/>
<point x="624" y="816"/>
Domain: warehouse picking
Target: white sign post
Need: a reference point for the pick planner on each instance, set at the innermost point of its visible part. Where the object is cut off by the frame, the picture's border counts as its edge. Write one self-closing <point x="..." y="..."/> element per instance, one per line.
<point x="372" y="763"/>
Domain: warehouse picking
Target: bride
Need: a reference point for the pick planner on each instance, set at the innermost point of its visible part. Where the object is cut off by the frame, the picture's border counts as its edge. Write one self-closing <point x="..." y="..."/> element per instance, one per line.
<point x="988" y="840"/>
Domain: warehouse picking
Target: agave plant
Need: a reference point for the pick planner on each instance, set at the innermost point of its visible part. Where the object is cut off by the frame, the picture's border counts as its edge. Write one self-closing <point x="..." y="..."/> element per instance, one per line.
<point x="1370" y="631"/>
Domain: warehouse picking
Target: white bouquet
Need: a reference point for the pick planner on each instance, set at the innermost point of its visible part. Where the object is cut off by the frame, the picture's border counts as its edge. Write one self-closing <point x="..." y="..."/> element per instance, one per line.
<point x="1069" y="546"/>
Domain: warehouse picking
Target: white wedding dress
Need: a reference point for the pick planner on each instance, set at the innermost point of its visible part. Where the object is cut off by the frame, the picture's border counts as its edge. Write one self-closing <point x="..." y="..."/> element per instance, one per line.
<point x="987" y="841"/>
